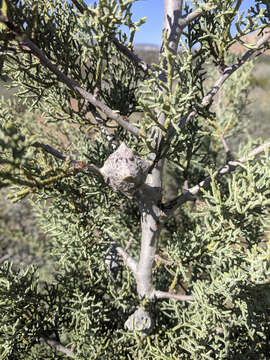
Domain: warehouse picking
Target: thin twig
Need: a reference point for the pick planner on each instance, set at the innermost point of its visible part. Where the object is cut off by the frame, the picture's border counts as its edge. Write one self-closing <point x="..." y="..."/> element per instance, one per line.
<point x="77" y="164"/>
<point x="188" y="194"/>
<point x="135" y="59"/>
<point x="229" y="156"/>
<point x="228" y="71"/>
<point x="81" y="7"/>
<point x="71" y="83"/>
<point x="208" y="98"/>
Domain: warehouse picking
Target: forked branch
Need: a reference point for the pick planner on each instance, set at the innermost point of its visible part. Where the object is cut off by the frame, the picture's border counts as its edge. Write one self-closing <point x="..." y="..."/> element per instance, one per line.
<point x="175" y="23"/>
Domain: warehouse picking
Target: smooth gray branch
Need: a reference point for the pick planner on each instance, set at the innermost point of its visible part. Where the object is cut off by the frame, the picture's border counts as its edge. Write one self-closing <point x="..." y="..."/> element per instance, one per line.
<point x="58" y="346"/>
<point x="188" y="194"/>
<point x="128" y="260"/>
<point x="184" y="21"/>
<point x="174" y="22"/>
<point x="172" y="17"/>
<point x="150" y="194"/>
<point x="165" y="295"/>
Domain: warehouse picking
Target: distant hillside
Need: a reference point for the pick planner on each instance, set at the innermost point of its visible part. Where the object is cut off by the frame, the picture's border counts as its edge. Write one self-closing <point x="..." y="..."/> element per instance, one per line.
<point x="146" y="47"/>
<point x="250" y="39"/>
<point x="148" y="52"/>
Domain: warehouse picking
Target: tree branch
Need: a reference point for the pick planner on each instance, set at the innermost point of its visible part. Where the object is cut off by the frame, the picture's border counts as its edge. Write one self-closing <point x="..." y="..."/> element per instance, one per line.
<point x="122" y="48"/>
<point x="208" y="98"/>
<point x="58" y="346"/>
<point x="175" y="23"/>
<point x="227" y="72"/>
<point x="72" y="84"/>
<point x="128" y="260"/>
<point x="165" y="295"/>
<point x="188" y="194"/>
<point x="229" y="156"/>
<point x="80" y="5"/>
<point x="172" y="17"/>
<point x="77" y="164"/>
<point x="148" y="197"/>
<point x="134" y="58"/>
<point x="184" y="21"/>
<point x="150" y="194"/>
<point x="109" y="136"/>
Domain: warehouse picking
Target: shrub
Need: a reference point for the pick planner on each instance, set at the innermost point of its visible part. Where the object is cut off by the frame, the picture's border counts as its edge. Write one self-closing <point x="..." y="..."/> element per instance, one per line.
<point x="137" y="266"/>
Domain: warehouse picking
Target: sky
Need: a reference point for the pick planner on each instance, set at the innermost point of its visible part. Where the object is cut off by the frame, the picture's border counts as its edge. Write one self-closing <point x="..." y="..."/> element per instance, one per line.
<point x="150" y="32"/>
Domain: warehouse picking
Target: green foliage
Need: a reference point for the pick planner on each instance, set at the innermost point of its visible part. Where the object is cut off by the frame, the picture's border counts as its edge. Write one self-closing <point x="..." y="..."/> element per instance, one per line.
<point x="215" y="248"/>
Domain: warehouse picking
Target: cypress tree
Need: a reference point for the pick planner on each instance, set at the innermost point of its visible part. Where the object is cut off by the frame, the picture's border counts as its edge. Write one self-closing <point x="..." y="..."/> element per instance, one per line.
<point x="155" y="218"/>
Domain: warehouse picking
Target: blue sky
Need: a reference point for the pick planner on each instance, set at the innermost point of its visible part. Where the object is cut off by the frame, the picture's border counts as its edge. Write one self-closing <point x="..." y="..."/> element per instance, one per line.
<point x="150" y="32"/>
